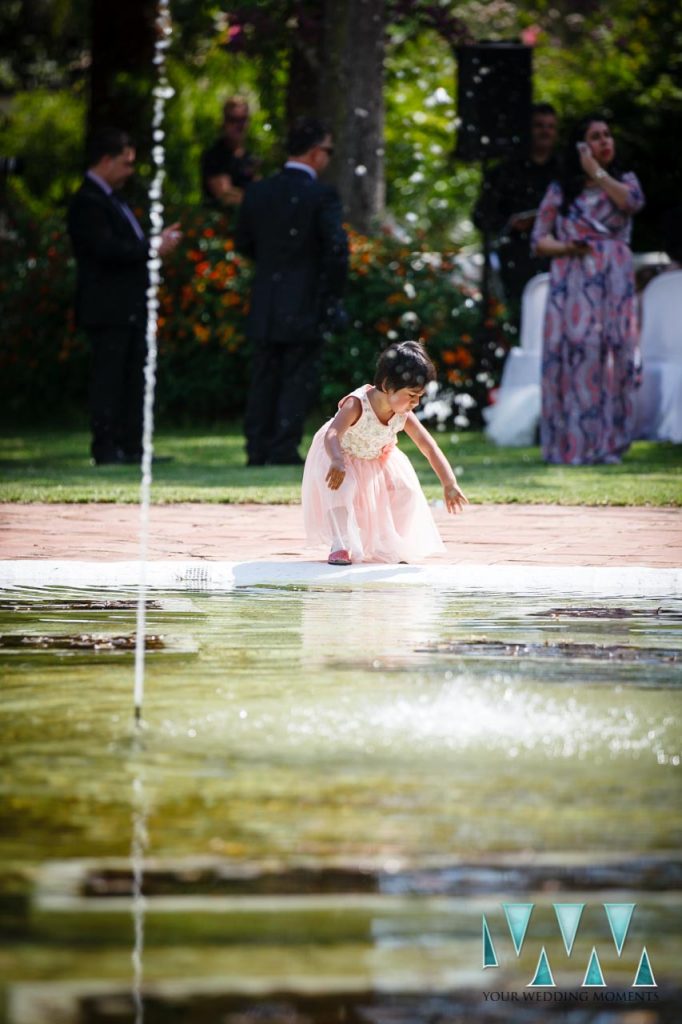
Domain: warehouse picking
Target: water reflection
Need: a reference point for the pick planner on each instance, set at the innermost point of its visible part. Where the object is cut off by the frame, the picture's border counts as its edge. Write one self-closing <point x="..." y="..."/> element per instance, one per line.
<point x="138" y="849"/>
<point x="333" y="800"/>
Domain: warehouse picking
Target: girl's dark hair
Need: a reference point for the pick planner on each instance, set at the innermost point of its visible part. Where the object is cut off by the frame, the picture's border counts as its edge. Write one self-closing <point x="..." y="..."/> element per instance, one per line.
<point x="404" y="365"/>
<point x="572" y="176"/>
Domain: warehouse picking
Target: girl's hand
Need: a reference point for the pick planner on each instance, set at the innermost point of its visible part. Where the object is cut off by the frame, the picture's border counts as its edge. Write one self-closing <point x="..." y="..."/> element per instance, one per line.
<point x="587" y="161"/>
<point x="455" y="500"/>
<point x="336" y="474"/>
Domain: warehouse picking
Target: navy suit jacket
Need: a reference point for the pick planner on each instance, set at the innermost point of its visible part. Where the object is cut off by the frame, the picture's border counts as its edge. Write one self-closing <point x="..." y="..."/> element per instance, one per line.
<point x="111" y="261"/>
<point x="290" y="224"/>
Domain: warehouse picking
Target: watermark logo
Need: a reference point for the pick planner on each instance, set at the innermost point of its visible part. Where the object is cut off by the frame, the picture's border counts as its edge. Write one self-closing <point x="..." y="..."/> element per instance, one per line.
<point x="568" y="915"/>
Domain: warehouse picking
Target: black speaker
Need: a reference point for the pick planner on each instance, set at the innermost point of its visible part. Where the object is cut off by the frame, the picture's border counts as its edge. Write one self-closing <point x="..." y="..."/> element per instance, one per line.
<point x="494" y="94"/>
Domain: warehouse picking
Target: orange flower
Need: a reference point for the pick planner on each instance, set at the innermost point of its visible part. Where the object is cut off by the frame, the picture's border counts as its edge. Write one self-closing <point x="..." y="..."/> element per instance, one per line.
<point x="201" y="333"/>
<point x="448" y="357"/>
<point x="454" y="376"/>
<point x="209" y="232"/>
<point x="203" y="267"/>
<point x="463" y="358"/>
<point x="229" y="245"/>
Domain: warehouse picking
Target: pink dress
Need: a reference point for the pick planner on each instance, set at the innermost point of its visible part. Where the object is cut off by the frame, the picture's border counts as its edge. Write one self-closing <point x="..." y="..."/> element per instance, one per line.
<point x="379" y="513"/>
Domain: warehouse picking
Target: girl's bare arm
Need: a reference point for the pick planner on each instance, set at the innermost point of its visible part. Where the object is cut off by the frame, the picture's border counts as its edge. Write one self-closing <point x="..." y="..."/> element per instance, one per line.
<point x="454" y="497"/>
<point x="348" y="414"/>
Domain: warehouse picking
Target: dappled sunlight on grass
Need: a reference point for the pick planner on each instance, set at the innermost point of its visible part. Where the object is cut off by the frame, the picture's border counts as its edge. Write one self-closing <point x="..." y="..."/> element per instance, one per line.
<point x="208" y="465"/>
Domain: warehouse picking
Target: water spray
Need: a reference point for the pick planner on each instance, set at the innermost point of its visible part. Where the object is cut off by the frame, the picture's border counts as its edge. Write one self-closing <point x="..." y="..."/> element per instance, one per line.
<point x="162" y="92"/>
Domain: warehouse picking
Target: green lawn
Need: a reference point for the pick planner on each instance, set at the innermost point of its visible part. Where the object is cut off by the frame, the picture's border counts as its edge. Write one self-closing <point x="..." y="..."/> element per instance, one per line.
<point x="208" y="465"/>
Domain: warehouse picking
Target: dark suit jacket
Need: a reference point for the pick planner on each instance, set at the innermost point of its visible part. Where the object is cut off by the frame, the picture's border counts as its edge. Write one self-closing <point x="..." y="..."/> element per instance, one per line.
<point x="111" y="261"/>
<point x="290" y="224"/>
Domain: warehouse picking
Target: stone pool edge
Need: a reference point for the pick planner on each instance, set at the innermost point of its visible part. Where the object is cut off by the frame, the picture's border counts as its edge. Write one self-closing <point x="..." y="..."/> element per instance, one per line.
<point x="195" y="574"/>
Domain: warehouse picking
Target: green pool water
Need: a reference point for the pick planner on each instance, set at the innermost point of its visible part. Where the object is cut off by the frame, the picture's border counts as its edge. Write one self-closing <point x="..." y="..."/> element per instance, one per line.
<point x="330" y="788"/>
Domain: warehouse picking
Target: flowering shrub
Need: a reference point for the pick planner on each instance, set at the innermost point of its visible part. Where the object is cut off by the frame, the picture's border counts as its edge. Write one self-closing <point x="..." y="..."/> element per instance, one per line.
<point x="393" y="293"/>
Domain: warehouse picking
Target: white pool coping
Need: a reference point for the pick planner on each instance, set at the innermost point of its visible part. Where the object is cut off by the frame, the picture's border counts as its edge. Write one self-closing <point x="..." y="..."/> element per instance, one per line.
<point x="197" y="575"/>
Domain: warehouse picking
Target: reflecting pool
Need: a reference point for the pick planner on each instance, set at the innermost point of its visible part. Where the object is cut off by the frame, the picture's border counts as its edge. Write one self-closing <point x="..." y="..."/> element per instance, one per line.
<point x="332" y="787"/>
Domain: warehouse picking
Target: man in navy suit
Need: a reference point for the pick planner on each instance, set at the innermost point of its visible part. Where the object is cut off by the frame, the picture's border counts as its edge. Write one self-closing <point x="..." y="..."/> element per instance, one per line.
<point x="111" y="297"/>
<point x="291" y="225"/>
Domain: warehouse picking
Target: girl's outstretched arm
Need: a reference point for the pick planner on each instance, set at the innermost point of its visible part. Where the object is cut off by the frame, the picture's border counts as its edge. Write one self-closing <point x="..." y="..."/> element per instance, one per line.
<point x="348" y="414"/>
<point x="454" y="498"/>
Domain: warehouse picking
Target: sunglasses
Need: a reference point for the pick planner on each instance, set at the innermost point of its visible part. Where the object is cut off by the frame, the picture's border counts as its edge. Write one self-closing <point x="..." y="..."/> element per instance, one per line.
<point x="236" y="120"/>
<point x="329" y="150"/>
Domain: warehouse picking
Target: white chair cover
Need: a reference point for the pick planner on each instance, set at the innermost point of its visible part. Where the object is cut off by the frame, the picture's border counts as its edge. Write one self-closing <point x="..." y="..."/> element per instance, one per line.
<point x="513" y="420"/>
<point x="659" y="400"/>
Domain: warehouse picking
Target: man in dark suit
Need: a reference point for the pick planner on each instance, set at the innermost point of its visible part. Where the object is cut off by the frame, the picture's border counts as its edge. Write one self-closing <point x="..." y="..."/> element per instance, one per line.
<point x="512" y="191"/>
<point x="290" y="224"/>
<point x="111" y="297"/>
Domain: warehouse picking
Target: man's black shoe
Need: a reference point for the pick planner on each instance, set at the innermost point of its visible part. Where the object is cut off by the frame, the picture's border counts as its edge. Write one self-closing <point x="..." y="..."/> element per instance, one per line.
<point x="136" y="458"/>
<point x="113" y="458"/>
<point x="293" y="460"/>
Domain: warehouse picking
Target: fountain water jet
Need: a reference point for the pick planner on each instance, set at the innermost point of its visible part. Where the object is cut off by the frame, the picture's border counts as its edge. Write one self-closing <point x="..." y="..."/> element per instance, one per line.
<point x="162" y="92"/>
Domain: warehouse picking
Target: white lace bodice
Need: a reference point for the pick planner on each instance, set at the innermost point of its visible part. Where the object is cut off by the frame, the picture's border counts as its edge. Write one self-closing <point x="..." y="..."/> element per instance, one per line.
<point x="369" y="437"/>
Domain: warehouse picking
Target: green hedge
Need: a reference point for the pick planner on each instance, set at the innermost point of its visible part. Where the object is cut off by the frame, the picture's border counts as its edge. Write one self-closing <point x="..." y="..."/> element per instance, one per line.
<point x="393" y="293"/>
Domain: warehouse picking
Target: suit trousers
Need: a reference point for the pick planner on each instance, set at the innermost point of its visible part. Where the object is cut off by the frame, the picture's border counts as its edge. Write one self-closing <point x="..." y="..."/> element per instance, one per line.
<point x="284" y="385"/>
<point x="116" y="389"/>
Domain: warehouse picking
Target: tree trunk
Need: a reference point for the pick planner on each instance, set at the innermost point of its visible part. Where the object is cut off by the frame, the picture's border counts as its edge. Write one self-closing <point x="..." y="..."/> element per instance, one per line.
<point x="351" y="99"/>
<point x="122" y="73"/>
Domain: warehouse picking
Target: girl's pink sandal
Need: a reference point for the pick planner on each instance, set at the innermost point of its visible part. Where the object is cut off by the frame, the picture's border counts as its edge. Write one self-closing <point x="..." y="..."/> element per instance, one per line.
<point x="340" y="557"/>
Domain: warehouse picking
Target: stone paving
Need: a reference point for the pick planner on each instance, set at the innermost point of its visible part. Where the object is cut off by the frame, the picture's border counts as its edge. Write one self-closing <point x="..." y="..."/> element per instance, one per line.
<point x="481" y="535"/>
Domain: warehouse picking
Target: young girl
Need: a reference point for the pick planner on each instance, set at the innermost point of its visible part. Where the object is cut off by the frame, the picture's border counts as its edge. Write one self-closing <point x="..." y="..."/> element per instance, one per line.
<point x="361" y="495"/>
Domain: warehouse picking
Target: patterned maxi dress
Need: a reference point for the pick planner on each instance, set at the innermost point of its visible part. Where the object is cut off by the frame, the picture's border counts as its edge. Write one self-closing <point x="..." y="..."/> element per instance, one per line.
<point x="590" y="333"/>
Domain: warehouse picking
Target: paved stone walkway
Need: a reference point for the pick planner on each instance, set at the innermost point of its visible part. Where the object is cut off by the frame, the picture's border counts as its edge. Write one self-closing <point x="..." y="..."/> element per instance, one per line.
<point x="482" y="535"/>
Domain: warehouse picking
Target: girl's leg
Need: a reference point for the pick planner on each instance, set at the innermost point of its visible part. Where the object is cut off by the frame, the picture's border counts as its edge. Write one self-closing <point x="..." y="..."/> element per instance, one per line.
<point x="337" y="522"/>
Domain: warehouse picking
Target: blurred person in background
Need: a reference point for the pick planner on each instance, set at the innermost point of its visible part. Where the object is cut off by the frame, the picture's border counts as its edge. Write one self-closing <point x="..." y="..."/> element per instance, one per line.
<point x="584" y="226"/>
<point x="290" y="224"/>
<point x="510" y="196"/>
<point x="226" y="166"/>
<point x="111" y="253"/>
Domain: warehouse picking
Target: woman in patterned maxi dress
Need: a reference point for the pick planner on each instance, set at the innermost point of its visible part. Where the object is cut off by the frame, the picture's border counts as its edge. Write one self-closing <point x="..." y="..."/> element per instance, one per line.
<point x="588" y="369"/>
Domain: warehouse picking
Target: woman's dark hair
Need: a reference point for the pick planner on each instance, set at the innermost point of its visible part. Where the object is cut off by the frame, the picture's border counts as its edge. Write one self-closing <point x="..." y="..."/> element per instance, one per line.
<point x="572" y="175"/>
<point x="404" y="365"/>
<point x="305" y="133"/>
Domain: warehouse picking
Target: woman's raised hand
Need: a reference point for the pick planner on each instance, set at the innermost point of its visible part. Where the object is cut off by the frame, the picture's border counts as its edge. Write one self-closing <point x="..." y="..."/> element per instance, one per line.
<point x="336" y="474"/>
<point x="587" y="161"/>
<point x="455" y="500"/>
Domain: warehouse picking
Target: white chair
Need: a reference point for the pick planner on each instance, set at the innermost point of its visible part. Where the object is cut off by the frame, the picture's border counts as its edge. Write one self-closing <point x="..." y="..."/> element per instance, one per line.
<point x="659" y="399"/>
<point x="513" y="420"/>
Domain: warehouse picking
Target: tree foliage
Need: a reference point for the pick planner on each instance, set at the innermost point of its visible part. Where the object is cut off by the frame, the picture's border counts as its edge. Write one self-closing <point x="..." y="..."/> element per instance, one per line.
<point x="625" y="58"/>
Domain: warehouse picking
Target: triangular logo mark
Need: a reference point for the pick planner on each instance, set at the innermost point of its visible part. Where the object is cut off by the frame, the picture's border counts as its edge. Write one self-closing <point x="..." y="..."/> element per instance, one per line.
<point x="568" y="916"/>
<point x="543" y="973"/>
<point x="518" y="916"/>
<point x="644" y="978"/>
<point x="489" y="955"/>
<point x="619" y="915"/>
<point x="593" y="975"/>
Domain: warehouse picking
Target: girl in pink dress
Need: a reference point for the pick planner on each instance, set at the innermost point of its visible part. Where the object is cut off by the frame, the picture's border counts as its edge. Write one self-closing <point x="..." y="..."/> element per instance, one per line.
<point x="361" y="495"/>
